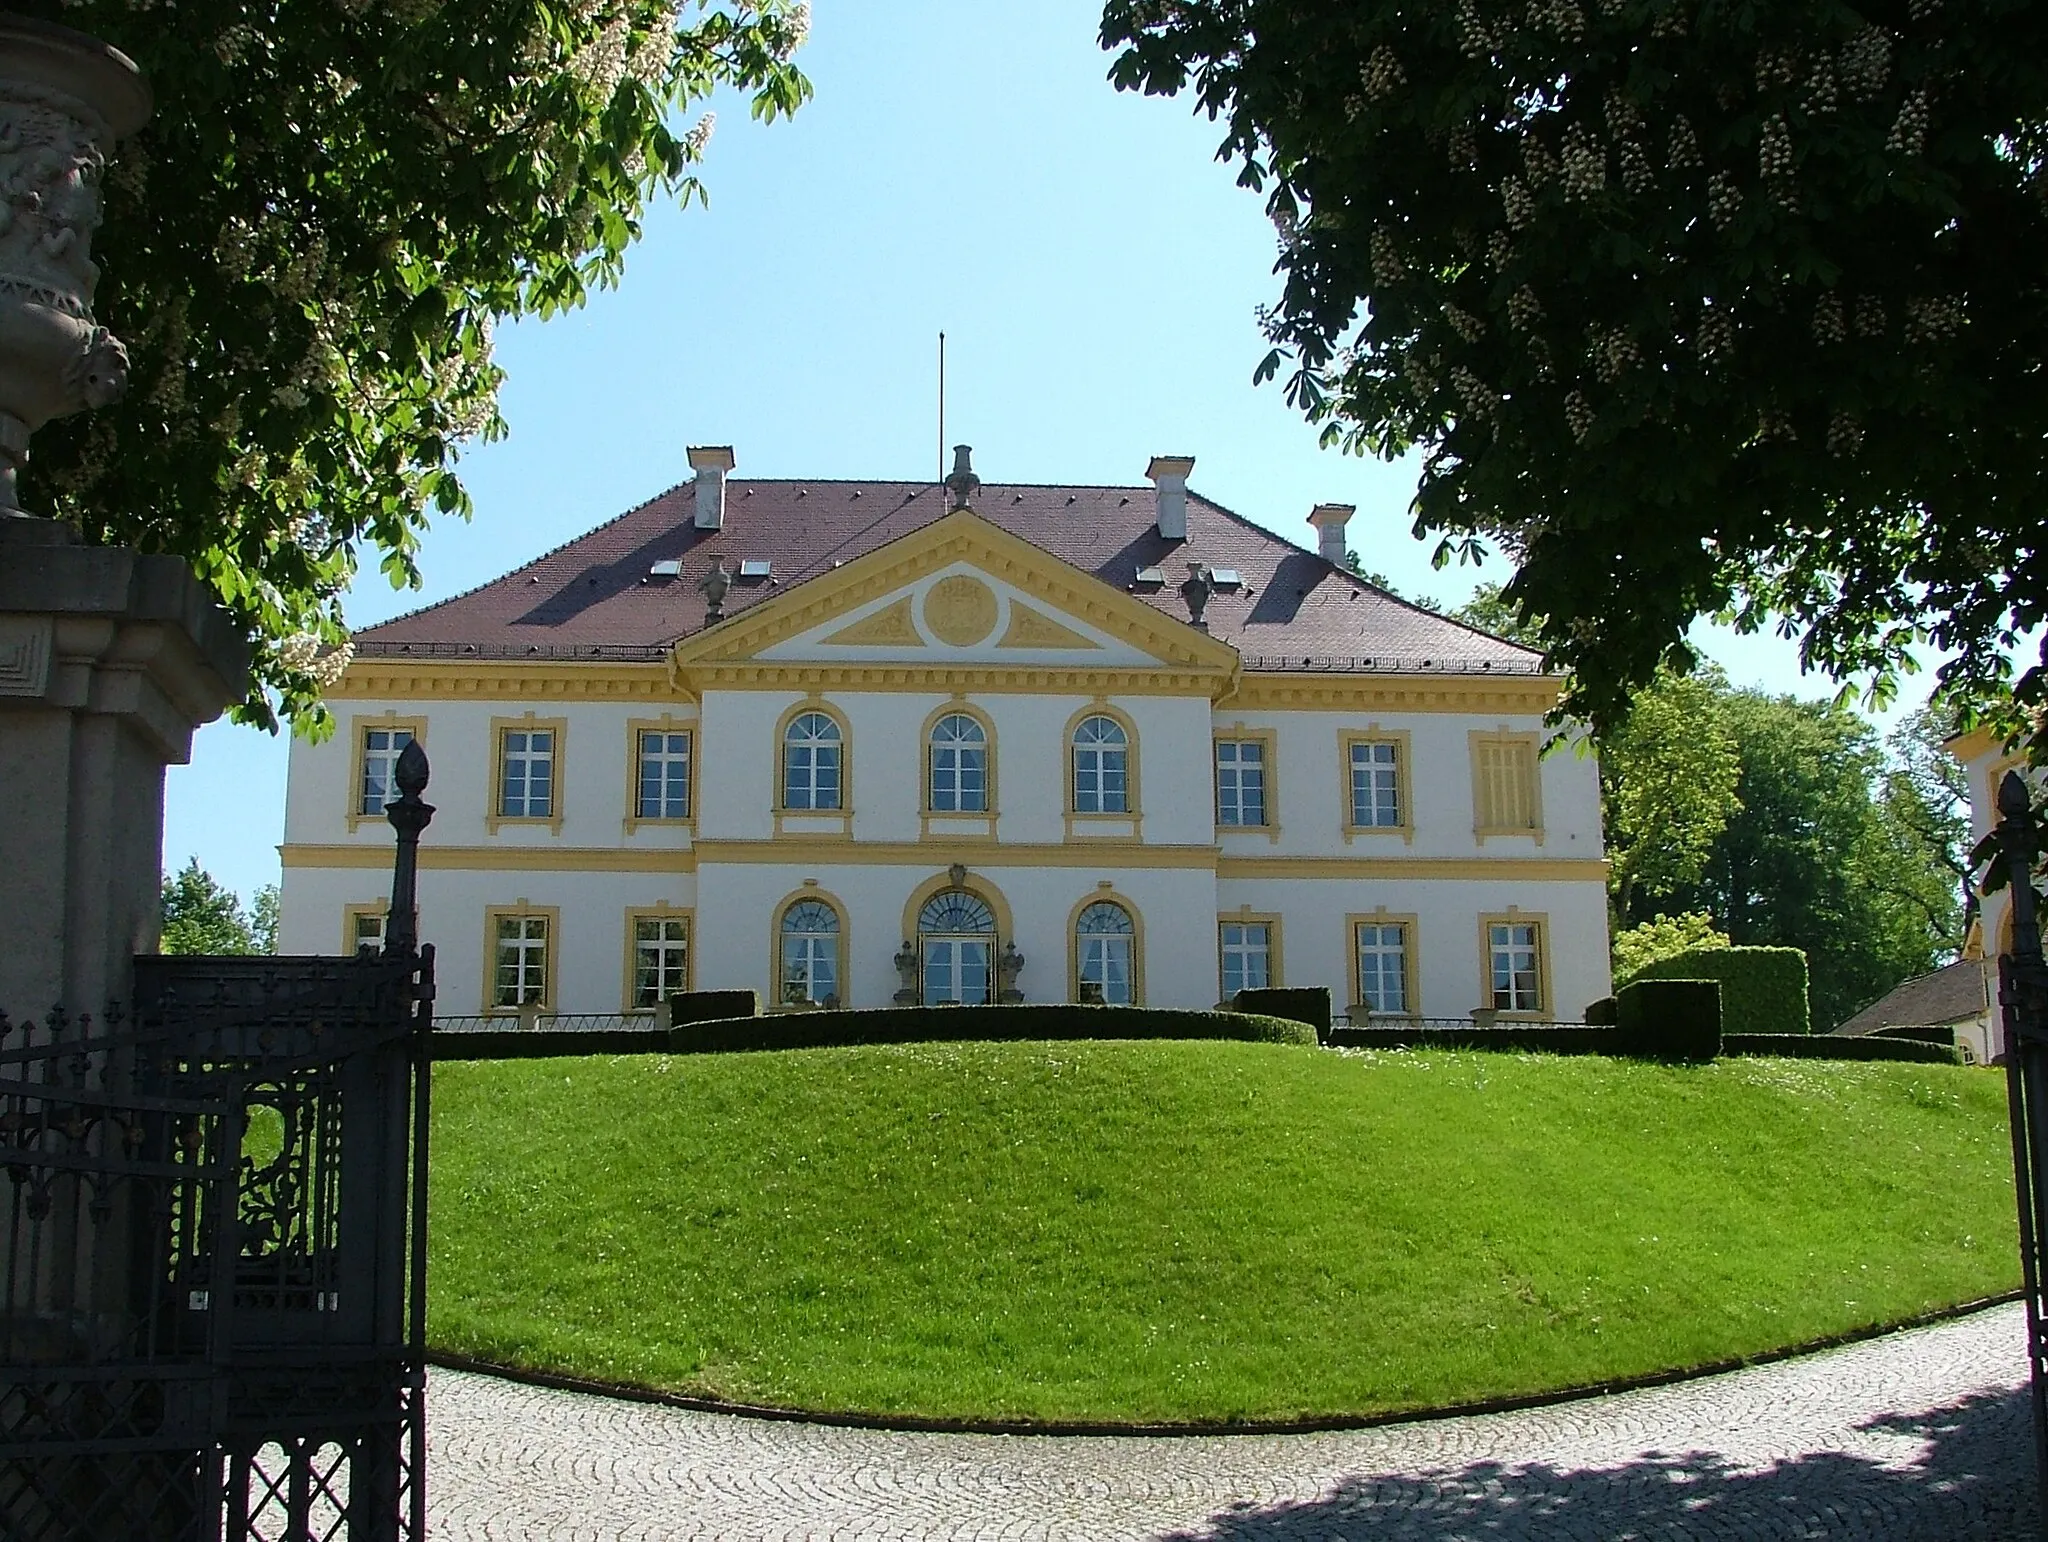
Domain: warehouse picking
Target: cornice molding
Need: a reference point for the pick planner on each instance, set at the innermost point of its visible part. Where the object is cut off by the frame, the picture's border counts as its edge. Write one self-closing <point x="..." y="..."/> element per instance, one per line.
<point x="493" y="679"/>
<point x="497" y="859"/>
<point x="1523" y="695"/>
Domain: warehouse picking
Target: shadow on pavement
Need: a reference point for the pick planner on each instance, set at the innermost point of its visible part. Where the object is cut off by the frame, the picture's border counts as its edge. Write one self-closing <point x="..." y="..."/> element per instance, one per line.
<point x="1964" y="1470"/>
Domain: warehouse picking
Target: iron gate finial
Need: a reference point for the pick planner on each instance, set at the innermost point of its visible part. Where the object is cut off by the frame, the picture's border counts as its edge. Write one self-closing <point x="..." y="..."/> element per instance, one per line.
<point x="409" y="815"/>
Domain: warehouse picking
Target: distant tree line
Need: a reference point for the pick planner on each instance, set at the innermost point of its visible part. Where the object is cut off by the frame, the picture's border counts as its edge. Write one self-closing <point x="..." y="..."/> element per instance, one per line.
<point x="202" y="915"/>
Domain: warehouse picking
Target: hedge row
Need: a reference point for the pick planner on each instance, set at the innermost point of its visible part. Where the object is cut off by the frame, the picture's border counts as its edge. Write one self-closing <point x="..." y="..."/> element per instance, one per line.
<point x="542" y="1043"/>
<point x="914" y="1025"/>
<point x="1303" y="1004"/>
<point x="1828" y="1046"/>
<point x="1543" y="1040"/>
<point x="1763" y="990"/>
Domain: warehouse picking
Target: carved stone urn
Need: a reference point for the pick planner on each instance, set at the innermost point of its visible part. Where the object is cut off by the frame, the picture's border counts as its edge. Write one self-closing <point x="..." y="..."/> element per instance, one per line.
<point x="65" y="98"/>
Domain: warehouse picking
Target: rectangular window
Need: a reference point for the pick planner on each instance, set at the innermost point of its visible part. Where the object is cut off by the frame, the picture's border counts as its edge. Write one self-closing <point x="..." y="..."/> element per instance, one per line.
<point x="1383" y="966"/>
<point x="381" y="749"/>
<point x="1515" y="960"/>
<point x="521" y="956"/>
<point x="526" y="773"/>
<point x="1240" y="782"/>
<point x="664" y="775"/>
<point x="1504" y="784"/>
<point x="1375" y="785"/>
<point x="661" y="959"/>
<point x="366" y="931"/>
<point x="1247" y="952"/>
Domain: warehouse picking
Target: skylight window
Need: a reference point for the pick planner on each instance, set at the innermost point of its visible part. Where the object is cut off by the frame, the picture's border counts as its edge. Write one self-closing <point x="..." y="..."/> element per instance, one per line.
<point x="755" y="569"/>
<point x="1150" y="576"/>
<point x="671" y="569"/>
<point x="1225" y="578"/>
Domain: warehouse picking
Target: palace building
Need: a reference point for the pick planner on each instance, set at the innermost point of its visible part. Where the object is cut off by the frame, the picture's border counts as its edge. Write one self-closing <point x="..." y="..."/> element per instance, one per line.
<point x="861" y="742"/>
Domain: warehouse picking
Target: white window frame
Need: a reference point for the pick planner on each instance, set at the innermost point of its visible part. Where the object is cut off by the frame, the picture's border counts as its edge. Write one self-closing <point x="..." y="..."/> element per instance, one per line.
<point x="1390" y="963"/>
<point x="1243" y="949"/>
<point x="661" y="963"/>
<point x="1240" y="763"/>
<point x="1101" y="766"/>
<point x="950" y="761"/>
<point x="804" y="786"/>
<point x="669" y="762"/>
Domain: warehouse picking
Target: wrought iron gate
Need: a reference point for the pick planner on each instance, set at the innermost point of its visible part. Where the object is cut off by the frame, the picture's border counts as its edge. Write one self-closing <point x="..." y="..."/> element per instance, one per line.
<point x="212" y="1251"/>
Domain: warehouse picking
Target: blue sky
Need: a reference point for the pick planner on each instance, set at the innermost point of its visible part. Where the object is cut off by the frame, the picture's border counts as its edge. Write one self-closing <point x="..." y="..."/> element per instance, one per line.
<point x="965" y="167"/>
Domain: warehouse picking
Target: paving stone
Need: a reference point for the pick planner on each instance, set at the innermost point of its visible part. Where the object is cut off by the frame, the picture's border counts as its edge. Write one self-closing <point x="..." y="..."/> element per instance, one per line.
<point x="1917" y="1437"/>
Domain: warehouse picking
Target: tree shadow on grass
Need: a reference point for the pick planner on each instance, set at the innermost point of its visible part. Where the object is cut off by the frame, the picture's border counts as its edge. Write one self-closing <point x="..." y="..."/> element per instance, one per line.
<point x="1972" y="1478"/>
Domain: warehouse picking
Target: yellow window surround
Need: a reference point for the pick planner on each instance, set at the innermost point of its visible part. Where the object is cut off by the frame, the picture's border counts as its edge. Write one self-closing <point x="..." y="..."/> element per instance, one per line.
<point x="659" y="911"/>
<point x="1411" y="970"/>
<point x="1507" y="783"/>
<point x="1404" y="783"/>
<point x="1268" y="740"/>
<point x="557" y="781"/>
<point x="1546" y="1005"/>
<point x="358" y="728"/>
<point x="1244" y="915"/>
<point x="551" y="941"/>
<point x="667" y="723"/>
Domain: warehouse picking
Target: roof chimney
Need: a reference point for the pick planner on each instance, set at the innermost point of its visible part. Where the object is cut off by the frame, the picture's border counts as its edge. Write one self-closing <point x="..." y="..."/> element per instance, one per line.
<point x="711" y="462"/>
<point x="1330" y="520"/>
<point x="1169" y="474"/>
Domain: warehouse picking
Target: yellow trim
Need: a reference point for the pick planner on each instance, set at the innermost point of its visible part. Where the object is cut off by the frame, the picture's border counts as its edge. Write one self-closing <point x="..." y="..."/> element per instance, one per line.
<point x="667" y="723"/>
<point x="1981" y="740"/>
<point x="1031" y="628"/>
<point x="981" y="889"/>
<point x="1103" y="891"/>
<point x="550" y="959"/>
<point x="401" y="679"/>
<point x="1133" y="814"/>
<point x="381" y="909"/>
<point x="1501" y="869"/>
<point x="960" y="610"/>
<point x="1531" y="769"/>
<point x="1269" y="740"/>
<point x="1404" y="782"/>
<point x="809" y="891"/>
<point x="959" y="537"/>
<point x="1546" y="1006"/>
<point x="814" y="823"/>
<point x="357" y="727"/>
<point x="958" y="706"/>
<point x="1411" y="958"/>
<point x="661" y="910"/>
<point x="1244" y="915"/>
<point x="793" y="851"/>
<point x="889" y="627"/>
<point x="1333" y="691"/>
<point x="557" y="783"/>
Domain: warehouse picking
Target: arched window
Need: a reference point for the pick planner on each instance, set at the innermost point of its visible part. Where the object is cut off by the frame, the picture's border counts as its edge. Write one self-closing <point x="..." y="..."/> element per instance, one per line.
<point x="959" y="766"/>
<point x="812" y="770"/>
<point x="1101" y="767"/>
<point x="956" y="939"/>
<point x="810" y="953"/>
<point x="1103" y="939"/>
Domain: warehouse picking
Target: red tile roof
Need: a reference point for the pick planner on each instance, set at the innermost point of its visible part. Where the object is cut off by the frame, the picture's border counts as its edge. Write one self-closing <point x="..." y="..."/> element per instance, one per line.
<point x="595" y="596"/>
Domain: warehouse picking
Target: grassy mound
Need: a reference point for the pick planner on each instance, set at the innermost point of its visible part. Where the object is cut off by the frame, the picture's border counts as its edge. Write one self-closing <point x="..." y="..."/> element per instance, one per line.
<point x="1193" y="1231"/>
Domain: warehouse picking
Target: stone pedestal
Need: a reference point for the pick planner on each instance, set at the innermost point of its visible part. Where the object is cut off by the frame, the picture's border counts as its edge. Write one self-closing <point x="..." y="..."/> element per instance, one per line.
<point x="109" y="659"/>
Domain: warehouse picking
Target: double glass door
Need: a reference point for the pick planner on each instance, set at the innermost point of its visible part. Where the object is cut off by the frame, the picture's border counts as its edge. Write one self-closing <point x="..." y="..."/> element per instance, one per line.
<point x="956" y="934"/>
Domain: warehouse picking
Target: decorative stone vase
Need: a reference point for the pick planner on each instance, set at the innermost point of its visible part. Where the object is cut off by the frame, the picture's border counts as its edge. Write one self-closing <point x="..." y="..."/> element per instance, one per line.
<point x="65" y="98"/>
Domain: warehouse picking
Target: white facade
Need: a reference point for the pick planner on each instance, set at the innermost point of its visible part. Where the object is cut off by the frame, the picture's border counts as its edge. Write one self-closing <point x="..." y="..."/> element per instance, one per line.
<point x="960" y="619"/>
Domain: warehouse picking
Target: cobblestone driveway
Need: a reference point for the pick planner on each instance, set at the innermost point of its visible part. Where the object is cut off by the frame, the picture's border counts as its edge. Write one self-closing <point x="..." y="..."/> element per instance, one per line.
<point x="1921" y="1437"/>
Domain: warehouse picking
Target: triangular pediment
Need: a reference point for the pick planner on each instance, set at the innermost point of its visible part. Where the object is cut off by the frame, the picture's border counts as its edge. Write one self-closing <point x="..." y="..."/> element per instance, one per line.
<point x="958" y="592"/>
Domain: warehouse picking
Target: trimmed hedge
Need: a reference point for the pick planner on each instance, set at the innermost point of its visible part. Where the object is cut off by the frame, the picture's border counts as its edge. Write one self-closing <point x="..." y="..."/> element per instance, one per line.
<point x="541" y="1043"/>
<point x="698" y="1006"/>
<point x="1302" y="1003"/>
<point x="1763" y="990"/>
<point x="915" y="1025"/>
<point x="1513" y="1038"/>
<point x="1829" y="1046"/>
<point x="1669" y="1019"/>
<point x="1603" y="1012"/>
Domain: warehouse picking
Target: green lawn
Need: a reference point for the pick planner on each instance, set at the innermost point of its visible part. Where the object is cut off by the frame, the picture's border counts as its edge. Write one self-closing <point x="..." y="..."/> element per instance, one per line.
<point x="1180" y="1231"/>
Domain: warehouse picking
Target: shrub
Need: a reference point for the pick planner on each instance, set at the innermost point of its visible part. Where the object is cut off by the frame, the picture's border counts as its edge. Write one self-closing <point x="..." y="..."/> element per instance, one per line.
<point x="1669" y="1019"/>
<point x="1649" y="942"/>
<point x="1302" y="1003"/>
<point x="543" y="1043"/>
<point x="1830" y="1046"/>
<point x="1763" y="990"/>
<point x="1602" y="1013"/>
<point x="698" y="1006"/>
<point x="913" y="1025"/>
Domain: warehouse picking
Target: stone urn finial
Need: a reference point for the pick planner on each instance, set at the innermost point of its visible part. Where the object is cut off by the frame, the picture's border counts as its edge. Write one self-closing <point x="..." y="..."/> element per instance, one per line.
<point x="65" y="98"/>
